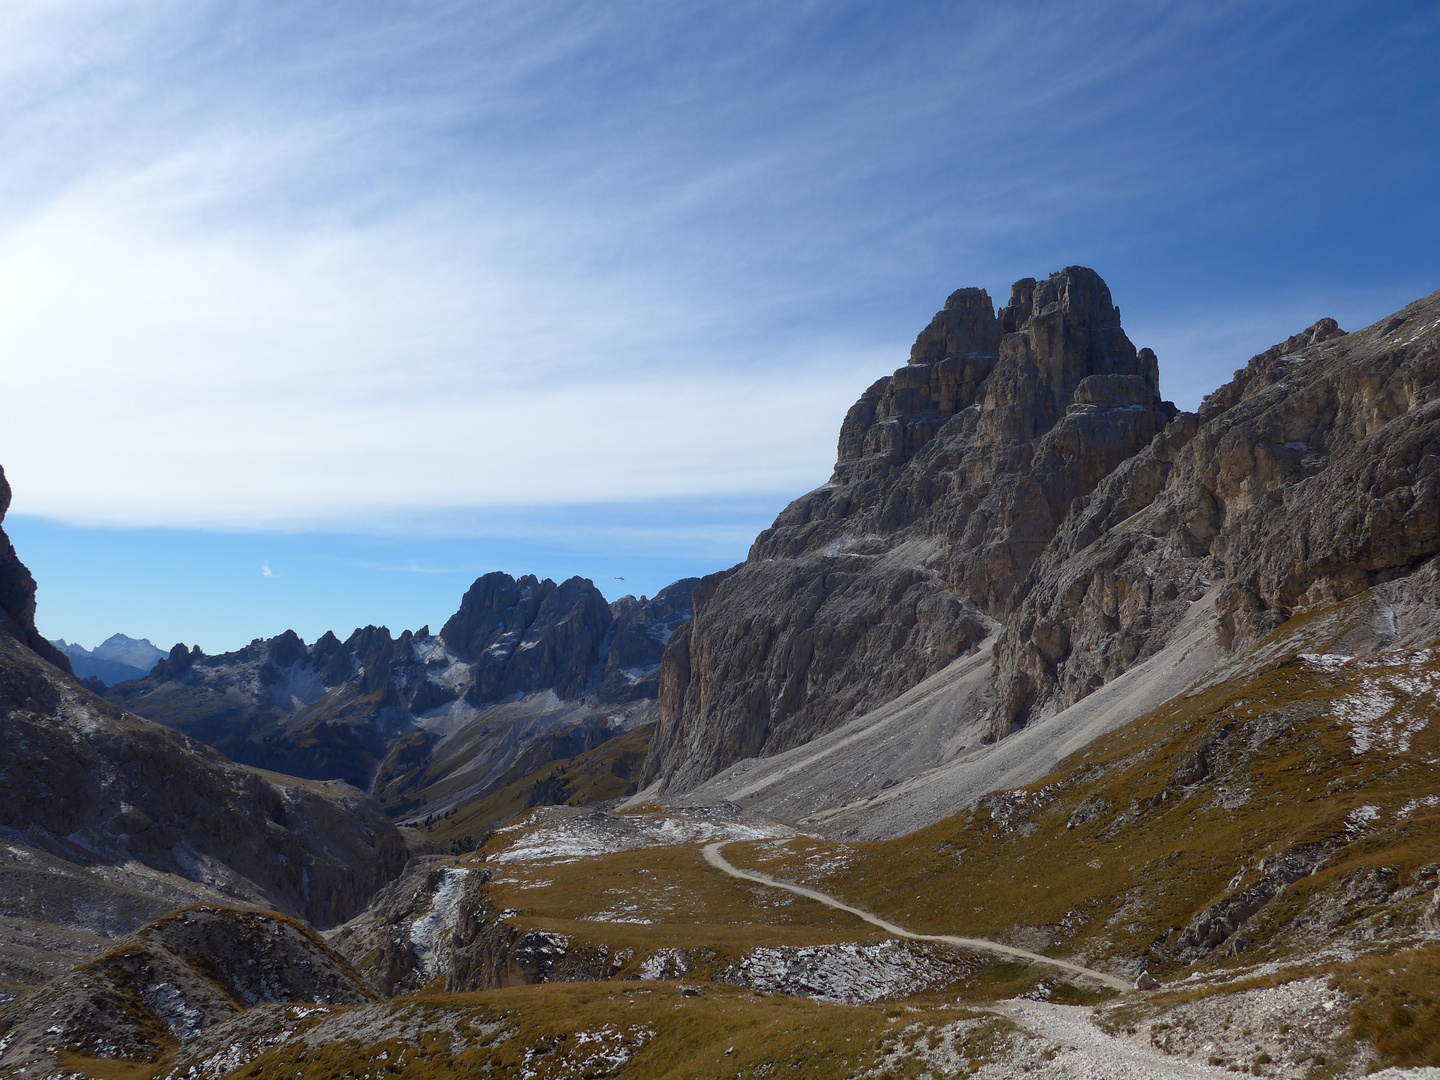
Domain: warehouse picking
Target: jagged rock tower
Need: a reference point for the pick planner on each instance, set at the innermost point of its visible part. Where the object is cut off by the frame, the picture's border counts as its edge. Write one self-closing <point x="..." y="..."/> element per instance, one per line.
<point x="952" y="476"/>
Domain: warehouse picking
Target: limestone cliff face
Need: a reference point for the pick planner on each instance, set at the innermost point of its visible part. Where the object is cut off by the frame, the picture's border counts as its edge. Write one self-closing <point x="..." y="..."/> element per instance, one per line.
<point x="953" y="474"/>
<point x="1310" y="477"/>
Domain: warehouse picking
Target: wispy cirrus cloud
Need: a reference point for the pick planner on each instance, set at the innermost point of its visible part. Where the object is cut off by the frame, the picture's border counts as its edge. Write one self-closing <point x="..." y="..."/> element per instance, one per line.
<point x="289" y="266"/>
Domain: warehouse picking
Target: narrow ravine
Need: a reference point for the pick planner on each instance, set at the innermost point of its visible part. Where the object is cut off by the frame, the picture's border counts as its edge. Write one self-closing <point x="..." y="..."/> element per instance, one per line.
<point x="712" y="855"/>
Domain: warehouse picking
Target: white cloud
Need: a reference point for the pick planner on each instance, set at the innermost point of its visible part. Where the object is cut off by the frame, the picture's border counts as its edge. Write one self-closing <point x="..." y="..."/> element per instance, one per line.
<point x="280" y="266"/>
<point x="356" y="374"/>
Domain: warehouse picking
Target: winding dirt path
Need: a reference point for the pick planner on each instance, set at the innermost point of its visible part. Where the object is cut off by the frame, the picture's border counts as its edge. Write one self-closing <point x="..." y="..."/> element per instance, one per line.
<point x="712" y="856"/>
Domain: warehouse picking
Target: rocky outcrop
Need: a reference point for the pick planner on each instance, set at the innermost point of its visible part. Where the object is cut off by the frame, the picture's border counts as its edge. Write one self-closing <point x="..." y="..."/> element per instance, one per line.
<point x="169" y="982"/>
<point x="952" y="476"/>
<point x="525" y="636"/>
<point x="1310" y="477"/>
<point x="370" y="709"/>
<point x="17" y="595"/>
<point x="437" y="928"/>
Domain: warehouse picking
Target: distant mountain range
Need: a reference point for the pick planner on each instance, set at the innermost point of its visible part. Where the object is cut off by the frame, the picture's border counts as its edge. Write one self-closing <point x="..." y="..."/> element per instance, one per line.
<point x="117" y="659"/>
<point x="525" y="672"/>
<point x="109" y="820"/>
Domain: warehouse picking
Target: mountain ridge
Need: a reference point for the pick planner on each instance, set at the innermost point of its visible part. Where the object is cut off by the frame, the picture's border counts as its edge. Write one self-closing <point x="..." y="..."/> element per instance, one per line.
<point x="116" y="659"/>
<point x="1036" y="498"/>
<point x="525" y="671"/>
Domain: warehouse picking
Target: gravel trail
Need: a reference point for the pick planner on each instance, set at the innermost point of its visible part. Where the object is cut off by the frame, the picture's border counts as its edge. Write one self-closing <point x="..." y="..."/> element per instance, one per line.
<point x="712" y="856"/>
<point x="1087" y="1053"/>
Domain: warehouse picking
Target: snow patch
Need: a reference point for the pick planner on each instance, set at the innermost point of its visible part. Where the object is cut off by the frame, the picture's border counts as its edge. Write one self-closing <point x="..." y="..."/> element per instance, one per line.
<point x="1359" y="819"/>
<point x="430" y="931"/>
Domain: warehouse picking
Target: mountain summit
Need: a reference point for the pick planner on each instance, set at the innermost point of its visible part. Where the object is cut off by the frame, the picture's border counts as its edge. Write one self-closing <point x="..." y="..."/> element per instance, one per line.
<point x="1018" y="509"/>
<point x="116" y="659"/>
<point x="952" y="476"/>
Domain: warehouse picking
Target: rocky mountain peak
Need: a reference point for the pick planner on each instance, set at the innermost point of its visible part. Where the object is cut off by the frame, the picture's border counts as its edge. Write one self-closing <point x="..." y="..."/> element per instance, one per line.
<point x="951" y="477"/>
<point x="1020" y="369"/>
<point x="966" y="326"/>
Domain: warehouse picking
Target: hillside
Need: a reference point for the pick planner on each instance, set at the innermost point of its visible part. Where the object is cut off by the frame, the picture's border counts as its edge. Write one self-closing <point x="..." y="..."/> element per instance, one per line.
<point x="109" y="820"/>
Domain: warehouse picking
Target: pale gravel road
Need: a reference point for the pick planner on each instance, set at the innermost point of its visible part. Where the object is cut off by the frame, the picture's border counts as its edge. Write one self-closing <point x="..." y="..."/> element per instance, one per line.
<point x="712" y="856"/>
<point x="1083" y="1052"/>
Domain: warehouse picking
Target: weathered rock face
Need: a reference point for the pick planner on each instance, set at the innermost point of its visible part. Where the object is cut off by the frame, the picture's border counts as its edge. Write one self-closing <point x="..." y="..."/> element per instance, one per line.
<point x="88" y="785"/>
<point x="525" y="636"/>
<point x="1312" y="476"/>
<point x="169" y="982"/>
<point x="17" y="594"/>
<point x="952" y="476"/>
<point x="638" y="635"/>
<point x="374" y="705"/>
<point x="85" y="781"/>
<point x="437" y="927"/>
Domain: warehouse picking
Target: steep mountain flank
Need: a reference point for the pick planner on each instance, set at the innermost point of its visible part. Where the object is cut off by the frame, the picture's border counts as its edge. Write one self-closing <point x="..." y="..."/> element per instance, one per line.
<point x="525" y="671"/>
<point x="94" y="786"/>
<point x="952" y="476"/>
<point x="109" y="820"/>
<point x="169" y="982"/>
<point x="17" y="595"/>
<point x="1309" y="478"/>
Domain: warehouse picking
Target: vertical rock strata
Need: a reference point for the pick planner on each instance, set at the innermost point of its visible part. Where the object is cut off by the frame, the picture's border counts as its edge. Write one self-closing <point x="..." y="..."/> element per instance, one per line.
<point x="953" y="475"/>
<point x="17" y="595"/>
<point x="1310" y="477"/>
<point x="1021" y="475"/>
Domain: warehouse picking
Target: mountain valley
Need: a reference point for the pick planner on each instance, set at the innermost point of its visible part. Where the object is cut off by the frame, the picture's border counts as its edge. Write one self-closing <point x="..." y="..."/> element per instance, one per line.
<point x="1120" y="695"/>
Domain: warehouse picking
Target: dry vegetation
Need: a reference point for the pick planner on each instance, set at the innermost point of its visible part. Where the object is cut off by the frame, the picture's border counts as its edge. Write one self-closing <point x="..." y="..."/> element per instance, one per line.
<point x="1278" y="828"/>
<point x="1113" y="855"/>
<point x="607" y="772"/>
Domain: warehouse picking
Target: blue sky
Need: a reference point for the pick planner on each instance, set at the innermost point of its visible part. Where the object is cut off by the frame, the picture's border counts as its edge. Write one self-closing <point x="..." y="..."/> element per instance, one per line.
<point x="385" y="295"/>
